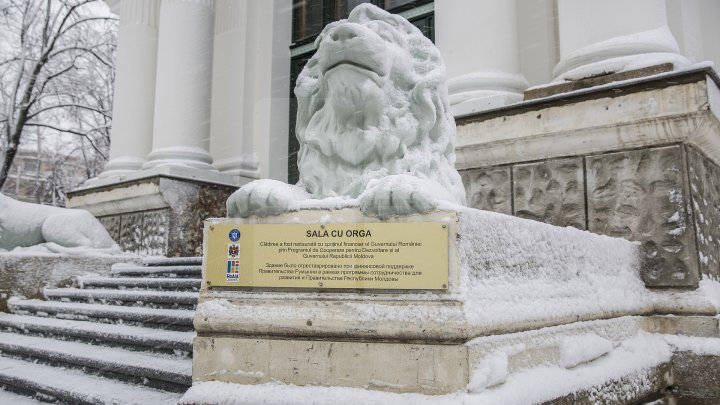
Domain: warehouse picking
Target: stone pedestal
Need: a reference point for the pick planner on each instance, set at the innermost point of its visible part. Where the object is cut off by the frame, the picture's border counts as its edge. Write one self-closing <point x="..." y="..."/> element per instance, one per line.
<point x="637" y="160"/>
<point x="158" y="211"/>
<point x="506" y="275"/>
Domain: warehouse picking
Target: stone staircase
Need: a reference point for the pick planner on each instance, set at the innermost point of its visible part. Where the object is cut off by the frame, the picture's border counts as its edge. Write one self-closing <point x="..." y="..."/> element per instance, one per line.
<point x="123" y="339"/>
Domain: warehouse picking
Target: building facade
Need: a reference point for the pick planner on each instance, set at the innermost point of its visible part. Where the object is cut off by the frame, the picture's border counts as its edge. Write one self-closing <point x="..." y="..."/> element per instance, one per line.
<point x="553" y="102"/>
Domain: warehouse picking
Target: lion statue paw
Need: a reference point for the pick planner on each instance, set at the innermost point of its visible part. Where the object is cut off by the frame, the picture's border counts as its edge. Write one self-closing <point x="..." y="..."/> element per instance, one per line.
<point x="263" y="198"/>
<point x="399" y="195"/>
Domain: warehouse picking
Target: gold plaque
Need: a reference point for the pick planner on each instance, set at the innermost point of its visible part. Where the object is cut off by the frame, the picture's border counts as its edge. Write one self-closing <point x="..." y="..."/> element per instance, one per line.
<point x="391" y="256"/>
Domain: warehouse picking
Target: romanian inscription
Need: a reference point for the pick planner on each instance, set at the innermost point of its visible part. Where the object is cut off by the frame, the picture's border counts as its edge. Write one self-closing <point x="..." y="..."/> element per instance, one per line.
<point x="356" y="256"/>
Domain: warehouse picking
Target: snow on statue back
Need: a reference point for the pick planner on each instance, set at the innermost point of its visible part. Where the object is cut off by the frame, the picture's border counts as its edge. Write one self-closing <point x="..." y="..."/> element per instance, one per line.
<point x="373" y="123"/>
<point x="51" y="229"/>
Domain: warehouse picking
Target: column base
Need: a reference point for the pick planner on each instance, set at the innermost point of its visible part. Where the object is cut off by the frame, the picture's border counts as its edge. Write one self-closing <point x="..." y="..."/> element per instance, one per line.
<point x="246" y="165"/>
<point x="122" y="165"/>
<point x="629" y="52"/>
<point x="197" y="158"/>
<point x="484" y="90"/>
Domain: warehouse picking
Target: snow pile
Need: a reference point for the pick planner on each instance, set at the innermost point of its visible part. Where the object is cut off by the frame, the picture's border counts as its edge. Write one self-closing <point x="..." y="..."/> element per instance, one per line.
<point x="520" y="272"/>
<point x="575" y="350"/>
<point x="698" y="345"/>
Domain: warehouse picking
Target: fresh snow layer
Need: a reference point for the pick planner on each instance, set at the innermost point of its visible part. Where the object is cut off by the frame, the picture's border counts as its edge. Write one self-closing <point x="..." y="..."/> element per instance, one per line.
<point x="515" y="271"/>
<point x="124" y="295"/>
<point x="125" y="333"/>
<point x="136" y="282"/>
<point x="142" y="314"/>
<point x="697" y="345"/>
<point x="110" y="358"/>
<point x="89" y="388"/>
<point x="632" y="362"/>
<point x="11" y="398"/>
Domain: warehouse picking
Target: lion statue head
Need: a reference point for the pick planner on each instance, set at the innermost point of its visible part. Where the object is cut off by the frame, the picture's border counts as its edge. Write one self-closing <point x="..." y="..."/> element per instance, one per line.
<point x="372" y="102"/>
<point x="373" y="122"/>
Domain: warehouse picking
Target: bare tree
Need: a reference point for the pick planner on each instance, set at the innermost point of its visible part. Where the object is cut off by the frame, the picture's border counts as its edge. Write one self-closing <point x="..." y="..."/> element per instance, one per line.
<point x="56" y="73"/>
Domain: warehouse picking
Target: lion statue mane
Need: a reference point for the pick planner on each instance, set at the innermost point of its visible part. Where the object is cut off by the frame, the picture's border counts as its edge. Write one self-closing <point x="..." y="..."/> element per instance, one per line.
<point x="373" y="123"/>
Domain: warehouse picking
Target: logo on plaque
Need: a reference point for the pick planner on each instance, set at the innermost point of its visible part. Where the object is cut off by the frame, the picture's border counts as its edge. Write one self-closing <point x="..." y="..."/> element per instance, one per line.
<point x="233" y="271"/>
<point x="234" y="235"/>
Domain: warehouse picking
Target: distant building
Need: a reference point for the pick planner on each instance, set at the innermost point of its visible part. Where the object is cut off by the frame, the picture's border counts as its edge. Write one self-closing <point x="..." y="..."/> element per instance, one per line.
<point x="43" y="177"/>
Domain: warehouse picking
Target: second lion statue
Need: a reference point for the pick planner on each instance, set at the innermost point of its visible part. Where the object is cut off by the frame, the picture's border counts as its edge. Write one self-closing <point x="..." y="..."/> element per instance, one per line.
<point x="373" y="123"/>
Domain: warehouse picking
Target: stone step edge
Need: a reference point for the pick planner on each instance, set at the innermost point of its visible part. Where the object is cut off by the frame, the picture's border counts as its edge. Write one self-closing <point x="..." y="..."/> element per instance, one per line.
<point x="68" y="385"/>
<point x="171" y="297"/>
<point x="111" y="333"/>
<point x="154" y="282"/>
<point x="141" y="271"/>
<point x="150" y="315"/>
<point x="161" y="261"/>
<point x="87" y="358"/>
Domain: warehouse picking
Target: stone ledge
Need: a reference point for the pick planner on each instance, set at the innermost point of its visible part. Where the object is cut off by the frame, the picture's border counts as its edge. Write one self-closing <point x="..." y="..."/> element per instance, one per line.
<point x="568" y="86"/>
<point x="684" y="110"/>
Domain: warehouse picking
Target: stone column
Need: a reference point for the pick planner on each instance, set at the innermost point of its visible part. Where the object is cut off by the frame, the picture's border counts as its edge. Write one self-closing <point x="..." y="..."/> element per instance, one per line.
<point x="600" y="37"/>
<point x="134" y="86"/>
<point x="181" y="134"/>
<point x="231" y="146"/>
<point x="478" y="41"/>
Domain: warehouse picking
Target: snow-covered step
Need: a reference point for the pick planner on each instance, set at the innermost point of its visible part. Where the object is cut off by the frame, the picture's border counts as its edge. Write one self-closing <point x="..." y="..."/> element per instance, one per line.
<point x="173" y="261"/>
<point x="126" y="270"/>
<point x="130" y="364"/>
<point x="7" y="397"/>
<point x="189" y="284"/>
<point x="176" y="318"/>
<point x="73" y="386"/>
<point x="122" y="334"/>
<point x="174" y="298"/>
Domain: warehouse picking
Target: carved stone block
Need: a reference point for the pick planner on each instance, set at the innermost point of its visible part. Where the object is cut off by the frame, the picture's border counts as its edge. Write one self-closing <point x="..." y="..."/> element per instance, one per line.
<point x="112" y="224"/>
<point x="641" y="195"/>
<point x="705" y="192"/>
<point x="155" y="232"/>
<point x="131" y="233"/>
<point x="551" y="191"/>
<point x="488" y="189"/>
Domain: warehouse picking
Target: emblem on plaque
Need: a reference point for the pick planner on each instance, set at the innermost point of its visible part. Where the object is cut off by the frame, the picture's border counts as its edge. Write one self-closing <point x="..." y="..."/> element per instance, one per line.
<point x="233" y="251"/>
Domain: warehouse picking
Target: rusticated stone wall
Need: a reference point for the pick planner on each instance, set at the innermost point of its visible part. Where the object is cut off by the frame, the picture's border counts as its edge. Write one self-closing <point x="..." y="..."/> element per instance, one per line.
<point x="666" y="197"/>
<point x="705" y="192"/>
<point x="171" y="225"/>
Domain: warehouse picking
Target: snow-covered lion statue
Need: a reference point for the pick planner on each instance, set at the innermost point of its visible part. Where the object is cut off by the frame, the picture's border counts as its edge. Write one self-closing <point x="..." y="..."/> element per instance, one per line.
<point x="373" y="123"/>
<point x="51" y="229"/>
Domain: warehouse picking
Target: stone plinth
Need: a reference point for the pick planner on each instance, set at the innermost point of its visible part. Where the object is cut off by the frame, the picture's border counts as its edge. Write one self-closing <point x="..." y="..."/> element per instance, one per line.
<point x="156" y="213"/>
<point x="637" y="160"/>
<point x="506" y="275"/>
<point x="27" y="274"/>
